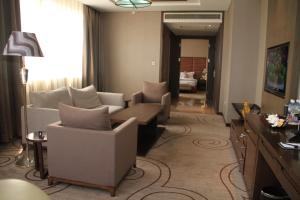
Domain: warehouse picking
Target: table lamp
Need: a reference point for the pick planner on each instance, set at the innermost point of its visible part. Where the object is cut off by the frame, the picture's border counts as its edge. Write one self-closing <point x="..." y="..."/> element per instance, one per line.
<point x="23" y="44"/>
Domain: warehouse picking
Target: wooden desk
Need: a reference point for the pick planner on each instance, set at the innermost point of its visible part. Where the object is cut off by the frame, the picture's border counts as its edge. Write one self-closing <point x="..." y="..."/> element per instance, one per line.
<point x="20" y="190"/>
<point x="266" y="163"/>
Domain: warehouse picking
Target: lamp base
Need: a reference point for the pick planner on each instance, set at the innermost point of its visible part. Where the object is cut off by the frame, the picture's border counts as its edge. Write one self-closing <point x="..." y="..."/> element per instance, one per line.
<point x="23" y="160"/>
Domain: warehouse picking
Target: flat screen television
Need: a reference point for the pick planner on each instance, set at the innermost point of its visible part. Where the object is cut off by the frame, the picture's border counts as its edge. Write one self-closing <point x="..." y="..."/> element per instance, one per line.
<point x="276" y="69"/>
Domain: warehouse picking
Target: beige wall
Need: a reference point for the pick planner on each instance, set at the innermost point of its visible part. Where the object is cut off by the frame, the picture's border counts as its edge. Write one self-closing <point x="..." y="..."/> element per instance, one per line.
<point x="261" y="52"/>
<point x="239" y="70"/>
<point x="131" y="50"/>
<point x="194" y="48"/>
<point x="281" y="28"/>
<point x="226" y="60"/>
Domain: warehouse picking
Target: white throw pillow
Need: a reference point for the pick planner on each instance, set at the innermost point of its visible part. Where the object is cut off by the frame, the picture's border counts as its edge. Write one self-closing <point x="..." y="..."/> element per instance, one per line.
<point x="182" y="75"/>
<point x="85" y="98"/>
<point x="96" y="119"/>
<point x="50" y="99"/>
<point x="190" y="74"/>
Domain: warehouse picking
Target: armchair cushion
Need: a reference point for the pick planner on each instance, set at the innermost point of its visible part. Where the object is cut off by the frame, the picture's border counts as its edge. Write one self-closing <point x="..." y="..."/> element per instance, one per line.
<point x="96" y="119"/>
<point x="152" y="92"/>
<point x="85" y="98"/>
<point x="50" y="99"/>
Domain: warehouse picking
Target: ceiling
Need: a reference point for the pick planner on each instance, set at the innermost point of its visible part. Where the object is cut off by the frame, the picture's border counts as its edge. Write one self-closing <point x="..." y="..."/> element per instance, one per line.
<point x="188" y="5"/>
<point x="194" y="29"/>
<point x="179" y="28"/>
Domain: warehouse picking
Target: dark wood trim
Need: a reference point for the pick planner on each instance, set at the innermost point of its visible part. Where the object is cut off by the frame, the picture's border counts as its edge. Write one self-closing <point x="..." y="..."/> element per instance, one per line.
<point x="54" y="180"/>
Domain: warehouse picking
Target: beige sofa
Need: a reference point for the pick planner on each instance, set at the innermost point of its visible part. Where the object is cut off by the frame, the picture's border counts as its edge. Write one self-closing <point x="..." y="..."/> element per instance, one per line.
<point x="39" y="118"/>
<point x="91" y="158"/>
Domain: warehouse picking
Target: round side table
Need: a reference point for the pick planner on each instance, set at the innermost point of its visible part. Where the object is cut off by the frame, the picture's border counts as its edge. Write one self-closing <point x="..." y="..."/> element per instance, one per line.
<point x="37" y="138"/>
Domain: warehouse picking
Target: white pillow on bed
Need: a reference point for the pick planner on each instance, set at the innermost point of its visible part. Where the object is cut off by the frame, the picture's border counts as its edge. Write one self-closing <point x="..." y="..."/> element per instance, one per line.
<point x="189" y="74"/>
<point x="182" y="75"/>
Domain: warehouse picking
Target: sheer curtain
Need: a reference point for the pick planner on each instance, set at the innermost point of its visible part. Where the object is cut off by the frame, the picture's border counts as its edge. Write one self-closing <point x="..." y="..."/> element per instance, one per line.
<point x="58" y="25"/>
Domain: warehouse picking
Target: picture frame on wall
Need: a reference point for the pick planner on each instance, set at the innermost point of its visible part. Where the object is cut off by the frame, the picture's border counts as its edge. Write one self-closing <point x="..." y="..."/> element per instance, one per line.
<point x="276" y="69"/>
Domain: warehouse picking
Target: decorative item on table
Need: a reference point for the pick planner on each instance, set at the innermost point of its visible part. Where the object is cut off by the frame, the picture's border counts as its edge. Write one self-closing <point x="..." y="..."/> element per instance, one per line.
<point x="275" y="121"/>
<point x="246" y="109"/>
<point x="290" y="145"/>
<point x="293" y="111"/>
<point x="41" y="135"/>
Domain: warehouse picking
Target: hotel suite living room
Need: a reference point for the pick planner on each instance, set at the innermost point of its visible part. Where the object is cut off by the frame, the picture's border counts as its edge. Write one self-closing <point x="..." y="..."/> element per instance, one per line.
<point x="115" y="99"/>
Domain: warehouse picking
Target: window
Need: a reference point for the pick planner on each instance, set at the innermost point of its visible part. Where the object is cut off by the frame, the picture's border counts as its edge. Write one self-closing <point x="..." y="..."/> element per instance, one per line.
<point x="58" y="25"/>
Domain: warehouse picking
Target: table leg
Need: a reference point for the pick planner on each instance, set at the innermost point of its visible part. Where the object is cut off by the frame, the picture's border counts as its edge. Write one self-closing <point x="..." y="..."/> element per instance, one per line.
<point x="40" y="158"/>
<point x="147" y="136"/>
<point x="36" y="156"/>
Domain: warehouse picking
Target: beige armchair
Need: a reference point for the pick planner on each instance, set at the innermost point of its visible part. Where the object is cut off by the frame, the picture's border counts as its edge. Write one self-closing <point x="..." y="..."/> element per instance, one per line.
<point x="165" y="102"/>
<point x="91" y="158"/>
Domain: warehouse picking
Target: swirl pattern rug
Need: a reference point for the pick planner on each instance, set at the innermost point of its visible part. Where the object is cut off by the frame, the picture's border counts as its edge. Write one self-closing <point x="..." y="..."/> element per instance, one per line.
<point x="193" y="160"/>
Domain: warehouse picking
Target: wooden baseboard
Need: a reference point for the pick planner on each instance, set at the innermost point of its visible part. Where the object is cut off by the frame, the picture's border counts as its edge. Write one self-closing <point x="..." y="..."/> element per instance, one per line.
<point x="226" y="124"/>
<point x="111" y="189"/>
<point x="54" y="180"/>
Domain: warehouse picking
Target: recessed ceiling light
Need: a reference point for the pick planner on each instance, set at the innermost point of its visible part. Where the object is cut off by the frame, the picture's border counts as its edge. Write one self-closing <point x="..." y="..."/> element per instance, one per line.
<point x="209" y="25"/>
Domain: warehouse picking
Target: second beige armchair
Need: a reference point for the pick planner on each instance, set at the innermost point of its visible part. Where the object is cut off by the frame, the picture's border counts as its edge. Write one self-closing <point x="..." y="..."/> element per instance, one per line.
<point x="156" y="93"/>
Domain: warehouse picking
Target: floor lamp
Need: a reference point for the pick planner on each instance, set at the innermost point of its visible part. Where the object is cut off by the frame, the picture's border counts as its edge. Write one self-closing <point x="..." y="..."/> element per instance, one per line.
<point x="23" y="44"/>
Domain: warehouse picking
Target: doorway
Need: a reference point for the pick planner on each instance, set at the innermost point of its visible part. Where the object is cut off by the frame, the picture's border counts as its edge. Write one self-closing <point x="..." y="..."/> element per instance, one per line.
<point x="193" y="74"/>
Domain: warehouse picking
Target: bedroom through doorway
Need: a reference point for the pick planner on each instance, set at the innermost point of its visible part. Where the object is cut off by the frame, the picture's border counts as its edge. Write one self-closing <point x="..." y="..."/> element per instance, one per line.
<point x="193" y="75"/>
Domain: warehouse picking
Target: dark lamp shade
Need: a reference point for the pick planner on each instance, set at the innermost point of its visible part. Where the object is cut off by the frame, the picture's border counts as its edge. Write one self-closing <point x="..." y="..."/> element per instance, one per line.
<point x="22" y="44"/>
<point x="133" y="3"/>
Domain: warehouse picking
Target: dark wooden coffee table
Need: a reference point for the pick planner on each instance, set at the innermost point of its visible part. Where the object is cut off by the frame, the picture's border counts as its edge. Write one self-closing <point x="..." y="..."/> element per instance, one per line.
<point x="146" y="116"/>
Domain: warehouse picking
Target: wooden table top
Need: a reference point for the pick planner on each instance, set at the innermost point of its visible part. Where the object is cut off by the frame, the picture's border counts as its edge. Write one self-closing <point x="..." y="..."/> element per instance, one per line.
<point x="144" y="113"/>
<point x="289" y="159"/>
<point x="19" y="190"/>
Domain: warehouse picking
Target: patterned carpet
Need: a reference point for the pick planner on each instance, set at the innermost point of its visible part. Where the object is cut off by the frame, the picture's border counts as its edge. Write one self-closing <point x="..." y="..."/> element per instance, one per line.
<point x="193" y="160"/>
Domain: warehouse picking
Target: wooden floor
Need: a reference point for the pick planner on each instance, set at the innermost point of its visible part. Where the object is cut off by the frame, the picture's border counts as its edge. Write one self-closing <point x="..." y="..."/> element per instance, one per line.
<point x="192" y="102"/>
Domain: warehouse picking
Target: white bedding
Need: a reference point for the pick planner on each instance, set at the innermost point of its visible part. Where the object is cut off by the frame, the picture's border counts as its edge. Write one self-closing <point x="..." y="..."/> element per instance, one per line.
<point x="188" y="81"/>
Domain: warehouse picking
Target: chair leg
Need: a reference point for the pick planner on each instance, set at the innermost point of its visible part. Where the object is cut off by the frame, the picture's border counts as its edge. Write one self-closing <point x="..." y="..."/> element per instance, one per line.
<point x="50" y="181"/>
<point x="134" y="164"/>
<point x="112" y="191"/>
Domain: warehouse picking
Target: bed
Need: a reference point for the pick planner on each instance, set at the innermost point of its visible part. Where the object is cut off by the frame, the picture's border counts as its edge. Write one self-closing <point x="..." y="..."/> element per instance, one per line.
<point x="187" y="82"/>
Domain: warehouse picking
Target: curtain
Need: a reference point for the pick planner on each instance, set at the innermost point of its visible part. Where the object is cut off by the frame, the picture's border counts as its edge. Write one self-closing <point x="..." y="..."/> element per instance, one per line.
<point x="92" y="68"/>
<point x="58" y="25"/>
<point x="10" y="82"/>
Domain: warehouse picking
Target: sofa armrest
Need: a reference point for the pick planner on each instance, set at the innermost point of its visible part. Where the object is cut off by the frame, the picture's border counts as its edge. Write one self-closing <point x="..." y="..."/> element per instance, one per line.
<point x="137" y="97"/>
<point x="126" y="147"/>
<point x="108" y="98"/>
<point x="37" y="119"/>
<point x="166" y="104"/>
<point x="166" y="99"/>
